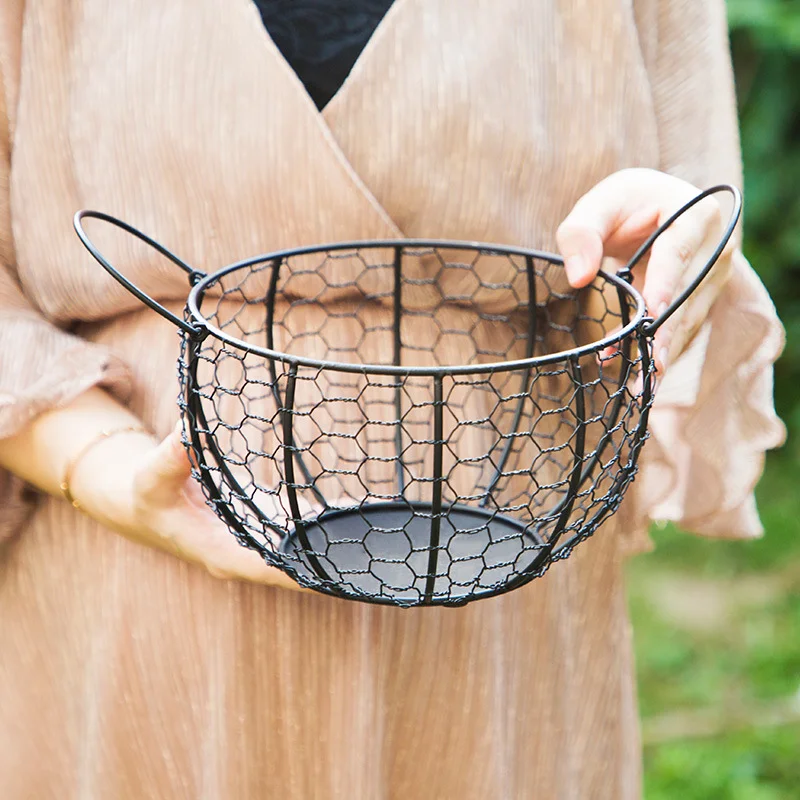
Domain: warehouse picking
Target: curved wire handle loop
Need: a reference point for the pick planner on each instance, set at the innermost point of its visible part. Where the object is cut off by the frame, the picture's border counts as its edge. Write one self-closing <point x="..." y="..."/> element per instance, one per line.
<point x="649" y="327"/>
<point x="194" y="275"/>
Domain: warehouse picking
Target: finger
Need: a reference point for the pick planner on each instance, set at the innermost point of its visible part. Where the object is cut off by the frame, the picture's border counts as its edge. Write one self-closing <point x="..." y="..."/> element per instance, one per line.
<point x="671" y="258"/>
<point x="164" y="471"/>
<point x="223" y="557"/>
<point x="208" y="544"/>
<point x="626" y="239"/>
<point x="673" y="261"/>
<point x="581" y="246"/>
<point x="239" y="563"/>
<point x="582" y="235"/>
<point x="600" y="226"/>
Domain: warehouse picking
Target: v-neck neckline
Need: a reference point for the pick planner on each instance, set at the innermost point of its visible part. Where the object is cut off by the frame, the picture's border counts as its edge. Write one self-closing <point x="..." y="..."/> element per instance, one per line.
<point x="322" y="39"/>
<point x="319" y="117"/>
<point x="382" y="30"/>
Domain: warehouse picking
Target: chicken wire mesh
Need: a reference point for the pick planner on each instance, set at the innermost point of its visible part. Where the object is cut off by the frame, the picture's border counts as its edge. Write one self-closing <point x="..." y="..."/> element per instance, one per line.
<point x="374" y="468"/>
<point x="414" y="423"/>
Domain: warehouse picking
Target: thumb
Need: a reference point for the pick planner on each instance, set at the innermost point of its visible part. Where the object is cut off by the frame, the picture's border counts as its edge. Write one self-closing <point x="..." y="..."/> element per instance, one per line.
<point x="580" y="242"/>
<point x="598" y="226"/>
<point x="164" y="470"/>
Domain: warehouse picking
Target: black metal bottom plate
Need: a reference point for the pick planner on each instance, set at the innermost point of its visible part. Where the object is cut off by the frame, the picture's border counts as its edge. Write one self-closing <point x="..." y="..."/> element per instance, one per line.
<point x="381" y="553"/>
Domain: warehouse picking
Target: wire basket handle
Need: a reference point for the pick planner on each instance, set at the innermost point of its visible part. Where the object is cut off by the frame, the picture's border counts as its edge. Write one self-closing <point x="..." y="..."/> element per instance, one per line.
<point x="649" y="327"/>
<point x="194" y="275"/>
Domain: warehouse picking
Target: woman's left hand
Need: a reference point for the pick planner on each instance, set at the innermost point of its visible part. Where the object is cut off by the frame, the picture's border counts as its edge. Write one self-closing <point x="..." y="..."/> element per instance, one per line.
<point x="616" y="216"/>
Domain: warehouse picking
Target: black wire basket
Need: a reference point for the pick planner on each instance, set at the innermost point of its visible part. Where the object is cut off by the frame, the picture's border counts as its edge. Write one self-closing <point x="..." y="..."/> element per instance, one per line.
<point x="413" y="423"/>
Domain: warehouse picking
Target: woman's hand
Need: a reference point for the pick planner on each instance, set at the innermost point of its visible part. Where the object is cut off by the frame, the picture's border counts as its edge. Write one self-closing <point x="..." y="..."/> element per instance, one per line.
<point x="131" y="484"/>
<point x="615" y="217"/>
<point x="145" y="491"/>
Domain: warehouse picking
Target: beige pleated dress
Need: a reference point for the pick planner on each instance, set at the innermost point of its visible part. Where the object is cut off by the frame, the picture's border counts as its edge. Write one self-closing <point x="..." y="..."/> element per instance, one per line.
<point x="127" y="674"/>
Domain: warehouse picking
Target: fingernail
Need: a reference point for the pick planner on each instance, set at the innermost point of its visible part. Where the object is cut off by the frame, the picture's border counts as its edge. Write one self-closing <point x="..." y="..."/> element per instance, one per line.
<point x="663" y="357"/>
<point x="575" y="267"/>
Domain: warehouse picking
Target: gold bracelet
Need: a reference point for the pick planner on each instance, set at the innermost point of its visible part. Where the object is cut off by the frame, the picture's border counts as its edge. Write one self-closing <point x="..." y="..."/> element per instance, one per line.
<point x="65" y="484"/>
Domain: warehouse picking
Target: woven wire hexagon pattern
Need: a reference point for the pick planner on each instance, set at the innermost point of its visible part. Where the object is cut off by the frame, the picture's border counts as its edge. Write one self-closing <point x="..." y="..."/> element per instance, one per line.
<point x="411" y="423"/>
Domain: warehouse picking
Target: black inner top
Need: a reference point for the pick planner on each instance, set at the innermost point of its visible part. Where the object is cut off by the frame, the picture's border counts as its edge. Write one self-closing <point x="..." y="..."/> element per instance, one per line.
<point x="322" y="39"/>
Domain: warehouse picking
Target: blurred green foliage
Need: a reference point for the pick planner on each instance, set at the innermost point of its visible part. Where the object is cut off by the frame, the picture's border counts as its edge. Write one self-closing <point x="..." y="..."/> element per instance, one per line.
<point x="752" y="765"/>
<point x="765" y="40"/>
<point x="717" y="624"/>
<point x="717" y="633"/>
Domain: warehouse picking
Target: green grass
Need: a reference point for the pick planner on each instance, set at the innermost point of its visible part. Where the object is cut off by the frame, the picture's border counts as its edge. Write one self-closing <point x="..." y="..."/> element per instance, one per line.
<point x="717" y="631"/>
<point x="751" y="765"/>
<point x="717" y="624"/>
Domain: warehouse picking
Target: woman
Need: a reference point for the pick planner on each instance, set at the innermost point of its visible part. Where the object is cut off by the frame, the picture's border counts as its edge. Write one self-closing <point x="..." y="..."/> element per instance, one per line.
<point x="131" y="671"/>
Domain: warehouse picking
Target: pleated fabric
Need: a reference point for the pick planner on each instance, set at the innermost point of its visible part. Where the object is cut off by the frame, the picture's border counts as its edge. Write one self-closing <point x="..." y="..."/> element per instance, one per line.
<point x="125" y="673"/>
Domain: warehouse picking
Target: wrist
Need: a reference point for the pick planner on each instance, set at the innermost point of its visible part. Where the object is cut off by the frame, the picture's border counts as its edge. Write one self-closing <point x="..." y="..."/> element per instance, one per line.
<point x="102" y="479"/>
<point x="80" y="454"/>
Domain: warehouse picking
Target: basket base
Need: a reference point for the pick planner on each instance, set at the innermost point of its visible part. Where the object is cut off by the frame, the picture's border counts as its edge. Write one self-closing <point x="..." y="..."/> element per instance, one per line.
<point x="380" y="553"/>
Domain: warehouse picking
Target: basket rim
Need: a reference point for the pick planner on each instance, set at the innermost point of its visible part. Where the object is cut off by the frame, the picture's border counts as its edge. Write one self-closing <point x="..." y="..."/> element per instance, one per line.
<point x="204" y="327"/>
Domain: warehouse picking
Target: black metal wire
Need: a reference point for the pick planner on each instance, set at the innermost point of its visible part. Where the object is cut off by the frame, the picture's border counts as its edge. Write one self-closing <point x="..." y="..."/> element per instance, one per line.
<point x="461" y="449"/>
<point x="438" y="477"/>
<point x="289" y="454"/>
<point x="194" y="275"/>
<point x="397" y="358"/>
<point x="736" y="197"/>
<point x="210" y="282"/>
<point x="443" y="555"/>
<point x="442" y="421"/>
<point x="530" y="274"/>
<point x="274" y="275"/>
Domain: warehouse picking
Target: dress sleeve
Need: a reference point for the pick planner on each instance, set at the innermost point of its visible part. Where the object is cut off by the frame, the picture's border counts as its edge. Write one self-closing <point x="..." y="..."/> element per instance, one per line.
<point x="41" y="365"/>
<point x="714" y="417"/>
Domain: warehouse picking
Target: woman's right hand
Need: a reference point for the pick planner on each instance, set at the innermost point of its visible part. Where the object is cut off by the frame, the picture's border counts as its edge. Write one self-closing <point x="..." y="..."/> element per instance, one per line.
<point x="145" y="491"/>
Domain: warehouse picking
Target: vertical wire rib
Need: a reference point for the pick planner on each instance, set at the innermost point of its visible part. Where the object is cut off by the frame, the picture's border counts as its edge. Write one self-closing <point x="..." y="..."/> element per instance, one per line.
<point x="609" y="421"/>
<point x="579" y="445"/>
<point x="646" y="357"/>
<point x="194" y="405"/>
<point x="526" y="377"/>
<point x="438" y="480"/>
<point x="270" y="302"/>
<point x="288" y="448"/>
<point x="613" y="494"/>
<point x="194" y="401"/>
<point x="397" y="360"/>
<point x="627" y="471"/>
